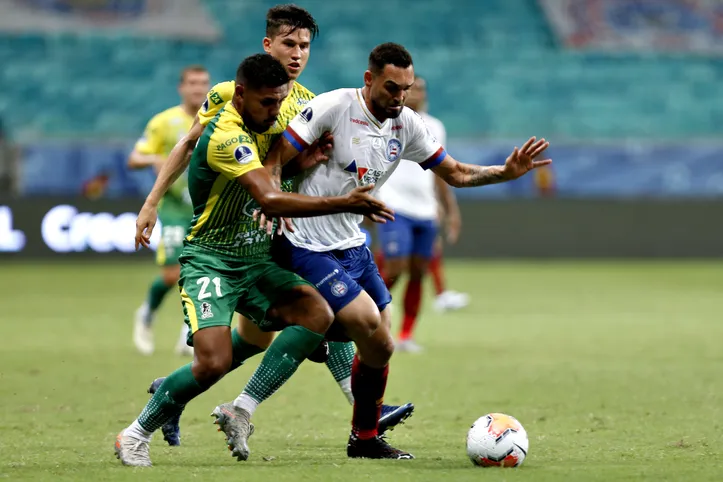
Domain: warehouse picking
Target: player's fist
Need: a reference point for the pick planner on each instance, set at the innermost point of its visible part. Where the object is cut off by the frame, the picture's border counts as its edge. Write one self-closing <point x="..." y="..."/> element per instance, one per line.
<point x="145" y="223"/>
<point x="523" y="160"/>
<point x="360" y="201"/>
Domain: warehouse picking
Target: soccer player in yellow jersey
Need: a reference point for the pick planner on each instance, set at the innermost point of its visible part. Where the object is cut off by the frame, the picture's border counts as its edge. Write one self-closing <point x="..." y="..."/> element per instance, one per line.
<point x="289" y="33"/>
<point x="160" y="136"/>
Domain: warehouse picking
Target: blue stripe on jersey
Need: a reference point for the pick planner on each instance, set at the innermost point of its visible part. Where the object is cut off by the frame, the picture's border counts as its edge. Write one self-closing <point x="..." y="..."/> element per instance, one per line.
<point x="290" y="137"/>
<point x="435" y="160"/>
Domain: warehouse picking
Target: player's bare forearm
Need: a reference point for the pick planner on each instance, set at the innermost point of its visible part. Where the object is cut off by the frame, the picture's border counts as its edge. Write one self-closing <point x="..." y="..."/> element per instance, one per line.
<point x="278" y="157"/>
<point x="446" y="197"/>
<point x="281" y="204"/>
<point x="175" y="164"/>
<point x="458" y="174"/>
<point x="138" y="160"/>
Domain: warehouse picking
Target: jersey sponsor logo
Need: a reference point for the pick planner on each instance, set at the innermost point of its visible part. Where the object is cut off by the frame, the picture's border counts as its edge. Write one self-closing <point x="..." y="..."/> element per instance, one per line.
<point x="359" y="121"/>
<point x="306" y="115"/>
<point x="339" y="289"/>
<point x="241" y="139"/>
<point x="216" y="98"/>
<point x="327" y="277"/>
<point x="365" y="175"/>
<point x="301" y="101"/>
<point x="206" y="312"/>
<point x="394" y="150"/>
<point x="398" y="127"/>
<point x="243" y="154"/>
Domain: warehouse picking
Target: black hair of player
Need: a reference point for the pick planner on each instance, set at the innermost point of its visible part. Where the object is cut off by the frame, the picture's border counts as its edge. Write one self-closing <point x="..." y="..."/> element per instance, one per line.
<point x="261" y="70"/>
<point x="292" y="17"/>
<point x="386" y="54"/>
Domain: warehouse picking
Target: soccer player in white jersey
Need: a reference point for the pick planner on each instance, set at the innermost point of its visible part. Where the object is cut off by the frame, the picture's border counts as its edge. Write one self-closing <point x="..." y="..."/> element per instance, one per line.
<point x="372" y="132"/>
<point x="407" y="244"/>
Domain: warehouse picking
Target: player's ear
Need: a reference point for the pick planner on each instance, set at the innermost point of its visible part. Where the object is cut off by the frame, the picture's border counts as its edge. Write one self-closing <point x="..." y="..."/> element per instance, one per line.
<point x="267" y="45"/>
<point x="240" y="90"/>
<point x="368" y="78"/>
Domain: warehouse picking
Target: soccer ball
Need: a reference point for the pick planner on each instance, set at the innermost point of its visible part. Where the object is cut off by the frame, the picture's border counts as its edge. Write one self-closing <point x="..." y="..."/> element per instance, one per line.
<point x="497" y="440"/>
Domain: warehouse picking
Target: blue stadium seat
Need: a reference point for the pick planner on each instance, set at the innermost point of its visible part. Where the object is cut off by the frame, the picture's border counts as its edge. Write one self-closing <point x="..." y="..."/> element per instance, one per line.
<point x="494" y="70"/>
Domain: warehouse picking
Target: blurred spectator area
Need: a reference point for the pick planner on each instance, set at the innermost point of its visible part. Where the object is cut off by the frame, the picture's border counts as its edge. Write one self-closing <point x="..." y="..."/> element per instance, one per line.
<point x="495" y="68"/>
<point x="79" y="74"/>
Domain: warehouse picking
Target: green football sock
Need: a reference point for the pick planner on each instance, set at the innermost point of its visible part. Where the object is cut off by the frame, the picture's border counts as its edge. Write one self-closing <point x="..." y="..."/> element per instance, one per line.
<point x="177" y="389"/>
<point x="156" y="292"/>
<point x="341" y="356"/>
<point x="281" y="360"/>
<point x="242" y="350"/>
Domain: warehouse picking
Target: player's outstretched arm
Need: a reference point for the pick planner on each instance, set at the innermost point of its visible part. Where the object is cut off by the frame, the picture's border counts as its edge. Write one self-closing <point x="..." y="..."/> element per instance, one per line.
<point x="521" y="161"/>
<point x="174" y="165"/>
<point x="450" y="208"/>
<point x="281" y="204"/>
<point x="138" y="160"/>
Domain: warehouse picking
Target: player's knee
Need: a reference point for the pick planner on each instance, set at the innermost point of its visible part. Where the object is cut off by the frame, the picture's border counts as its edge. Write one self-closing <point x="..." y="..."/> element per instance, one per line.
<point x="253" y="335"/>
<point x="360" y="318"/>
<point x="170" y="275"/>
<point x="417" y="269"/>
<point x="211" y="368"/>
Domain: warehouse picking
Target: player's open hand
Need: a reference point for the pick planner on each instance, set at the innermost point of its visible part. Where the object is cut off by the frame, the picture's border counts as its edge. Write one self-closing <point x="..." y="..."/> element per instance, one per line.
<point x="145" y="222"/>
<point x="268" y="223"/>
<point x="522" y="160"/>
<point x="317" y="152"/>
<point x="359" y="201"/>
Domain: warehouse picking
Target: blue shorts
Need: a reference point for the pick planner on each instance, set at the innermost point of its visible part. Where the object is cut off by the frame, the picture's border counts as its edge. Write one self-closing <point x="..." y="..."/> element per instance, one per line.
<point x="407" y="236"/>
<point x="339" y="275"/>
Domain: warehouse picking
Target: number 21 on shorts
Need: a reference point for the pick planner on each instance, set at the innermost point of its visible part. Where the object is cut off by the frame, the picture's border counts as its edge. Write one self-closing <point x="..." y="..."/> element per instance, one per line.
<point x="204" y="282"/>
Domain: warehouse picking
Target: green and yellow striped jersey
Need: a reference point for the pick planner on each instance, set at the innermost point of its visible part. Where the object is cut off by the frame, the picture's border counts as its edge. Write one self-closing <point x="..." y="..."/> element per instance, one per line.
<point x="294" y="103"/>
<point x="222" y="208"/>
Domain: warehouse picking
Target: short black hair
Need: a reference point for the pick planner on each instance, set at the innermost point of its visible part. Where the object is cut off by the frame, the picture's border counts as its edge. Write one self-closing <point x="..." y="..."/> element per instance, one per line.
<point x="261" y="70"/>
<point x="291" y="16"/>
<point x="389" y="53"/>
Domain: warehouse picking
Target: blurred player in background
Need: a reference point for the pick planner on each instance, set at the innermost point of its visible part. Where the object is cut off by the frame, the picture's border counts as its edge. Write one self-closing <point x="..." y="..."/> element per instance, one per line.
<point x="407" y="244"/>
<point x="174" y="211"/>
<point x="289" y="33"/>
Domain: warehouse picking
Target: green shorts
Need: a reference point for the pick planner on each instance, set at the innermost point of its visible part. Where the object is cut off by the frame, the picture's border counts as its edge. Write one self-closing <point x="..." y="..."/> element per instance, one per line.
<point x="214" y="287"/>
<point x="173" y="232"/>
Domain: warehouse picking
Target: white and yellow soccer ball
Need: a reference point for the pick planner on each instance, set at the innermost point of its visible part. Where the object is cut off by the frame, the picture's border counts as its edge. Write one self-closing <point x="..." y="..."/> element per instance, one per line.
<point x="497" y="440"/>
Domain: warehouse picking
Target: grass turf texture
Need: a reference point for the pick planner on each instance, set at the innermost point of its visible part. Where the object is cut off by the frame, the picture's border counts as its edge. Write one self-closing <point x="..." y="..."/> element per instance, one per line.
<point x="614" y="369"/>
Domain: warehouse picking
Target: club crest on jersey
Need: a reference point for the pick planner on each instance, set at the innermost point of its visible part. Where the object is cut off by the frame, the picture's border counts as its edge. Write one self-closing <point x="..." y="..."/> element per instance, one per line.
<point x="394" y="150"/>
<point x="306" y="115"/>
<point x="243" y="154"/>
<point x="206" y="310"/>
<point x="339" y="289"/>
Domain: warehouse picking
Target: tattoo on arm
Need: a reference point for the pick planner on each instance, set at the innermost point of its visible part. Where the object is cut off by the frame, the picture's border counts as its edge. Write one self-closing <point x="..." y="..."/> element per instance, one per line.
<point x="473" y="175"/>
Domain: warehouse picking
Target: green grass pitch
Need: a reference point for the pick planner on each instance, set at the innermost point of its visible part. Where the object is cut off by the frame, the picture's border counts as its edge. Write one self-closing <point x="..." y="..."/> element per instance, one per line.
<point x="614" y="369"/>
